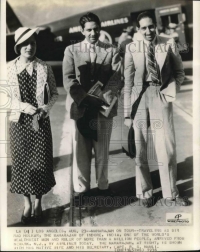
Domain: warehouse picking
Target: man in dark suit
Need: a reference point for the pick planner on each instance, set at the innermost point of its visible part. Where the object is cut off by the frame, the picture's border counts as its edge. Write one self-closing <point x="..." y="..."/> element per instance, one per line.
<point x="85" y="64"/>
<point x="153" y="74"/>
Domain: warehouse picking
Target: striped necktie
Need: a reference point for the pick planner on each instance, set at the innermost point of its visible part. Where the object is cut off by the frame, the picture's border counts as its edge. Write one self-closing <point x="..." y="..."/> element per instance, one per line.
<point x="152" y="64"/>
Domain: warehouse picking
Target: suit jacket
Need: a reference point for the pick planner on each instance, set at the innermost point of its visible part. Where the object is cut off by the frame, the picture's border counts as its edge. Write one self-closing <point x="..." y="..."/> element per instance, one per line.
<point x="44" y="77"/>
<point x="170" y="66"/>
<point x="77" y="77"/>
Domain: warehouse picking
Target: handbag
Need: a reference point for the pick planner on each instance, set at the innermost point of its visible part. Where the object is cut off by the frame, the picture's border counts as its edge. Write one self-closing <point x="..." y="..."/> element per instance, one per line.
<point x="46" y="93"/>
<point x="46" y="96"/>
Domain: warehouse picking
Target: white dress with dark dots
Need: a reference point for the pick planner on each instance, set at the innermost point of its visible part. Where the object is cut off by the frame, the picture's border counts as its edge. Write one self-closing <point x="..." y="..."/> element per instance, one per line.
<point x="31" y="151"/>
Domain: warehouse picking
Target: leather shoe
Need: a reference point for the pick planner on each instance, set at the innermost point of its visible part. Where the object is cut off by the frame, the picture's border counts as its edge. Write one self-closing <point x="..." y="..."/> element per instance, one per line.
<point x="38" y="218"/>
<point x="78" y="198"/>
<point x="182" y="201"/>
<point x="147" y="202"/>
<point x="78" y="195"/>
<point x="106" y="192"/>
<point x="179" y="201"/>
<point x="25" y="220"/>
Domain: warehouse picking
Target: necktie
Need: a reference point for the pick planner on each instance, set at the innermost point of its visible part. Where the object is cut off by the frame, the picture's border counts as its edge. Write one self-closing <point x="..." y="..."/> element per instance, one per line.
<point x="152" y="65"/>
<point x="93" y="56"/>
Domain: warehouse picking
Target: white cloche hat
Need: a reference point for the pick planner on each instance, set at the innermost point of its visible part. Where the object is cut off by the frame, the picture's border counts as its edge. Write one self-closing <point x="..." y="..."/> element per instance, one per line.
<point x="22" y="34"/>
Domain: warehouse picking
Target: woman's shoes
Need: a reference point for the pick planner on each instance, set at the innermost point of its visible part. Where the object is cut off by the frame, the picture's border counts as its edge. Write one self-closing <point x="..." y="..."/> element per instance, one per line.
<point x="38" y="218"/>
<point x="25" y="220"/>
<point x="33" y="218"/>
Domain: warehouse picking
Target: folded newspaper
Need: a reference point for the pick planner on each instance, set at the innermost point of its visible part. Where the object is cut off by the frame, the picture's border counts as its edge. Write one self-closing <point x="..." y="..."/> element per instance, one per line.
<point x="107" y="97"/>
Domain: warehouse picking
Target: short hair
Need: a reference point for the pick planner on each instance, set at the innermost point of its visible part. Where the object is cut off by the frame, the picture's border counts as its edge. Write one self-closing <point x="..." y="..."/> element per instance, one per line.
<point x="129" y="30"/>
<point x="145" y="14"/>
<point x="89" y="17"/>
<point x="35" y="35"/>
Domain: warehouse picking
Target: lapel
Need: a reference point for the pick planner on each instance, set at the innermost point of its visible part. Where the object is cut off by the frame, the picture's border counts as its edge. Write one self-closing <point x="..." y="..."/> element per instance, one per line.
<point x="160" y="52"/>
<point x="139" y="51"/>
<point x="101" y="55"/>
<point x="82" y="54"/>
<point x="41" y="78"/>
<point x="13" y="80"/>
<point x="139" y="56"/>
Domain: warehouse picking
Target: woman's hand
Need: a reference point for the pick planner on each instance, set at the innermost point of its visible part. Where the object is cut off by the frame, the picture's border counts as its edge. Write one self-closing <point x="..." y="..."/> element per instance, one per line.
<point x="31" y="110"/>
<point x="42" y="113"/>
<point x="128" y="122"/>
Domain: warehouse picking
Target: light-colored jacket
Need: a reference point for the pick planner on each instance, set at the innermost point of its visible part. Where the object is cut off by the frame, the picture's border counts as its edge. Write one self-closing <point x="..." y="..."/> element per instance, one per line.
<point x="76" y="74"/>
<point x="170" y="65"/>
<point x="45" y="76"/>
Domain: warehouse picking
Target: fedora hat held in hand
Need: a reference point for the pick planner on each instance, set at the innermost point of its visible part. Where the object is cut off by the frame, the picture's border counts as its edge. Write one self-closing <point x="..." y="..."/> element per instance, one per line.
<point x="22" y="34"/>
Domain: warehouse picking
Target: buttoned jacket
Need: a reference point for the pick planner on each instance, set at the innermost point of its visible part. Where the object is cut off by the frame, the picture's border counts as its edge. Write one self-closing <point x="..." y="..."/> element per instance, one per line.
<point x="169" y="62"/>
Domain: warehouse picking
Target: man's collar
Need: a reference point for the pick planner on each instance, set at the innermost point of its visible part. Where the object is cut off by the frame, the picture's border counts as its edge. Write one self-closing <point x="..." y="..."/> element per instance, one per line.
<point x="154" y="41"/>
<point x="89" y="44"/>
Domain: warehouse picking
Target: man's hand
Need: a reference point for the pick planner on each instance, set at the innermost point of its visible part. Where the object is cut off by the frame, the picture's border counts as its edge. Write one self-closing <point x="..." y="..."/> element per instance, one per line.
<point x="128" y="122"/>
<point x="31" y="110"/>
<point x="94" y="101"/>
<point x="108" y="96"/>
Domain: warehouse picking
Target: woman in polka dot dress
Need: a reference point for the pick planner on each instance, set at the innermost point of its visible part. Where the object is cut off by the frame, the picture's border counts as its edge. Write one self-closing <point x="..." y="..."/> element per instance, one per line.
<point x="34" y="92"/>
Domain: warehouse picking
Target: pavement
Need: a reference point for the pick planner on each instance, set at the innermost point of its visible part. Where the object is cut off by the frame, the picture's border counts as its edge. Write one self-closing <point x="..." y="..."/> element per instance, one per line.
<point x="57" y="204"/>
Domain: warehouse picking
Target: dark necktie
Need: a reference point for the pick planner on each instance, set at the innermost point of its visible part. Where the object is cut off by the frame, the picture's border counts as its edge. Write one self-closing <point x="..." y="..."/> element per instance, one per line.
<point x="93" y="56"/>
<point x="152" y="64"/>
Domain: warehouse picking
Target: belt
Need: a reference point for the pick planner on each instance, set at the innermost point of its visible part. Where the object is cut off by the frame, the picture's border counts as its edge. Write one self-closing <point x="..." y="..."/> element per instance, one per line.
<point x="150" y="83"/>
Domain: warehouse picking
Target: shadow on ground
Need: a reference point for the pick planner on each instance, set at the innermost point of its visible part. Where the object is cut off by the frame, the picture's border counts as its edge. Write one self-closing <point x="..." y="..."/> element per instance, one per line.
<point x="125" y="192"/>
<point x="51" y="217"/>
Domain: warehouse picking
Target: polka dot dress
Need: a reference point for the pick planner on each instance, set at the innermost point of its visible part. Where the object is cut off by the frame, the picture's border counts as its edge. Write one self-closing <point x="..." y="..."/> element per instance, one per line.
<point x="31" y="151"/>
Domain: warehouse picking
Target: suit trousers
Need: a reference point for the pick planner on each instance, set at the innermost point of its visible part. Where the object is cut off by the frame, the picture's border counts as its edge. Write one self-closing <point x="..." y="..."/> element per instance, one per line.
<point x="82" y="155"/>
<point x="155" y="144"/>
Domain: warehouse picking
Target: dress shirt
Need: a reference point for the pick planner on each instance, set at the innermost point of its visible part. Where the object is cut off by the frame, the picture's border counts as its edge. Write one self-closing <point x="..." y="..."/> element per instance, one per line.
<point x="91" y="48"/>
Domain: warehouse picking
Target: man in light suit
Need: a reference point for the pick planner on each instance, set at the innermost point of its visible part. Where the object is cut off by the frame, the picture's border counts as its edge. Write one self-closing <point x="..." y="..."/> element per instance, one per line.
<point x="153" y="74"/>
<point x="85" y="64"/>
